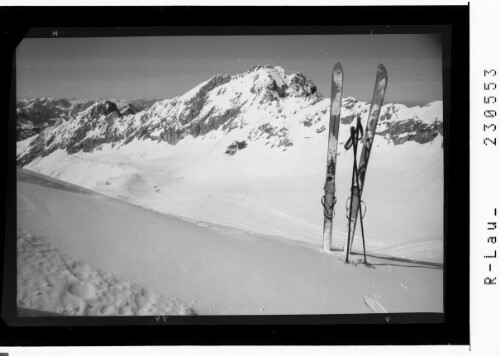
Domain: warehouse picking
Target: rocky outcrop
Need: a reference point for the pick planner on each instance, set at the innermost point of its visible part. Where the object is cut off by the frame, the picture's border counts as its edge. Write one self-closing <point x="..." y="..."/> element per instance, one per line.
<point x="298" y="86"/>
<point x="142" y="104"/>
<point x="62" y="102"/>
<point x="130" y="110"/>
<point x="273" y="87"/>
<point x="301" y="86"/>
<point x="105" y="108"/>
<point x="403" y="131"/>
<point x="235" y="146"/>
<point x="275" y="136"/>
<point x="196" y="103"/>
<point x="22" y="133"/>
<point x="392" y="123"/>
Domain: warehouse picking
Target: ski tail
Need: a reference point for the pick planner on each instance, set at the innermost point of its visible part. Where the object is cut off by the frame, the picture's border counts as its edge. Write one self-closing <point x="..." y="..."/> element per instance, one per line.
<point x="329" y="199"/>
<point x="371" y="125"/>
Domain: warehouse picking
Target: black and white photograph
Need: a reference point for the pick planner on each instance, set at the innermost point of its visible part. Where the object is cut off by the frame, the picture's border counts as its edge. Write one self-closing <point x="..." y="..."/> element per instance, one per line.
<point x="230" y="175"/>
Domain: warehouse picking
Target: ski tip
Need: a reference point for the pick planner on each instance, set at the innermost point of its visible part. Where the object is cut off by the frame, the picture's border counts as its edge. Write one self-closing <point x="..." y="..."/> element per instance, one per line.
<point x="381" y="68"/>
<point x="337" y="67"/>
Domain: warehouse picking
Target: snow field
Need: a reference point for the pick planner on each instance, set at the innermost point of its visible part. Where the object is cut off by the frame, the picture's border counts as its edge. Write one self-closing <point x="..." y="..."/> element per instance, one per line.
<point x="48" y="280"/>
<point x="270" y="191"/>
<point x="211" y="269"/>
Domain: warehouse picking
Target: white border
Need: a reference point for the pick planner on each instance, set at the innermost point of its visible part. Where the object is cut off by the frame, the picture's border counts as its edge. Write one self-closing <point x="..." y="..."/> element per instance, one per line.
<point x="484" y="185"/>
<point x="484" y="178"/>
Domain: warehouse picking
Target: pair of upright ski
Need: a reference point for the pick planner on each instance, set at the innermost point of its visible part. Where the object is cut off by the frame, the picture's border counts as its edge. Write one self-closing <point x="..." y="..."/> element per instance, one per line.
<point x="329" y="199"/>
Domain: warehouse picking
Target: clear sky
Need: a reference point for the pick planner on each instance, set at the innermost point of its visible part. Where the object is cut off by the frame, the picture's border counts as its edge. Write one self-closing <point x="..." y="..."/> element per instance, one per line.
<point x="164" y="67"/>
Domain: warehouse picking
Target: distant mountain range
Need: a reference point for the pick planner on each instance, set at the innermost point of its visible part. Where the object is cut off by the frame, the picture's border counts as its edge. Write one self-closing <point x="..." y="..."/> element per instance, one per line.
<point x="263" y="103"/>
<point x="34" y="115"/>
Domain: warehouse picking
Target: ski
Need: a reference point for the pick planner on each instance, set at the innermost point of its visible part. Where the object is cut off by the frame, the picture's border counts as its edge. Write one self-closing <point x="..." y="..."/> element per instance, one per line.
<point x="371" y="125"/>
<point x="329" y="199"/>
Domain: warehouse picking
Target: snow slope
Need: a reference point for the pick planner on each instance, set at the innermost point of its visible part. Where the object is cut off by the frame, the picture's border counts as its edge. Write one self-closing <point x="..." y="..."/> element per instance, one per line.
<point x="172" y="158"/>
<point x="48" y="280"/>
<point x="276" y="195"/>
<point x="211" y="268"/>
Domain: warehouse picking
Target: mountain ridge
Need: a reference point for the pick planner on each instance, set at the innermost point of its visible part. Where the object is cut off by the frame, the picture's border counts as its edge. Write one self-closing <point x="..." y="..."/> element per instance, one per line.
<point x="263" y="103"/>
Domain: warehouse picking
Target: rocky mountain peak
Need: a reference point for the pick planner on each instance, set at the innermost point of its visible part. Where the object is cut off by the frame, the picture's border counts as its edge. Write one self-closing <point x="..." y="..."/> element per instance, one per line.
<point x="301" y="86"/>
<point x="130" y="110"/>
<point x="273" y="83"/>
<point x="110" y="107"/>
<point x="99" y="108"/>
<point x="262" y="104"/>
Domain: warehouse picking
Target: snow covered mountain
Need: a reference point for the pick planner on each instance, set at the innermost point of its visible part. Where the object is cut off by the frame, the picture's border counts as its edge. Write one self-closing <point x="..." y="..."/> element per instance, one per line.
<point x="261" y="104"/>
<point x="248" y="151"/>
<point x="34" y="115"/>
